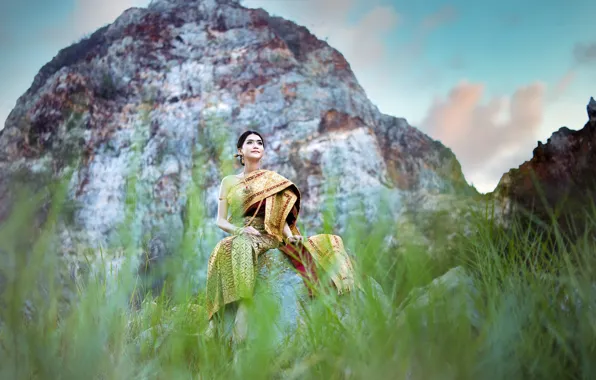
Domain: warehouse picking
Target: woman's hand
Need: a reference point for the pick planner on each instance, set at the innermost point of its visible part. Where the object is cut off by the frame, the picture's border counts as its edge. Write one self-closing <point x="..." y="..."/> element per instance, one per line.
<point x="294" y="239"/>
<point x="249" y="230"/>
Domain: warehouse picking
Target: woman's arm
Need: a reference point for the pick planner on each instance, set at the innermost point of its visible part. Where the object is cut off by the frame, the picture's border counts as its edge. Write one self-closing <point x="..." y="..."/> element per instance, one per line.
<point x="222" y="209"/>
<point x="287" y="232"/>
<point x="289" y="237"/>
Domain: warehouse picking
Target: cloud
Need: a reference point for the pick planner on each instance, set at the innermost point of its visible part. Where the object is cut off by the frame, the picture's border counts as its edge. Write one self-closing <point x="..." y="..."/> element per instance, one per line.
<point x="585" y="53"/>
<point x="361" y="41"/>
<point x="486" y="180"/>
<point x="562" y="86"/>
<point x="478" y="132"/>
<point x="565" y="82"/>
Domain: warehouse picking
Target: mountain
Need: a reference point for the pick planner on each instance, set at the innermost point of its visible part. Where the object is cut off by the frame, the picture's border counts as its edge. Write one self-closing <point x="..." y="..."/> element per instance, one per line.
<point x="159" y="97"/>
<point x="560" y="177"/>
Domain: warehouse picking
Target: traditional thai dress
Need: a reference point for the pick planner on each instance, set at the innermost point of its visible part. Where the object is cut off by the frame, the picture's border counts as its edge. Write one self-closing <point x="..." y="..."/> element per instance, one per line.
<point x="266" y="200"/>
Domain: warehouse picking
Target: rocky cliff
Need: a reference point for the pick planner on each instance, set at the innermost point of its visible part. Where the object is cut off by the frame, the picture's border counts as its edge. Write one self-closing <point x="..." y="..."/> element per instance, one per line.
<point x="160" y="96"/>
<point x="560" y="178"/>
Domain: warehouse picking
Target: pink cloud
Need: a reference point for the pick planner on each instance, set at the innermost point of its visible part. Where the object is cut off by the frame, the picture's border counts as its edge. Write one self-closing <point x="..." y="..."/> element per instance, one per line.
<point x="476" y="131"/>
<point x="563" y="84"/>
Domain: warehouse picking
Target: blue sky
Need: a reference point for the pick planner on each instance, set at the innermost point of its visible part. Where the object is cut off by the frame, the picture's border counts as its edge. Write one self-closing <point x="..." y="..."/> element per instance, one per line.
<point x="489" y="79"/>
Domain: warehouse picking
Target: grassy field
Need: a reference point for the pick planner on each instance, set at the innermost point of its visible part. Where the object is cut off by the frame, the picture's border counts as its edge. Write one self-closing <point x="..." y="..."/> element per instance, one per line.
<point x="526" y="311"/>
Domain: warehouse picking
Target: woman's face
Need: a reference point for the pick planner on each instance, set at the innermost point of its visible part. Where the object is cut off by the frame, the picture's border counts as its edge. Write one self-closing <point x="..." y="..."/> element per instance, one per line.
<point x="253" y="147"/>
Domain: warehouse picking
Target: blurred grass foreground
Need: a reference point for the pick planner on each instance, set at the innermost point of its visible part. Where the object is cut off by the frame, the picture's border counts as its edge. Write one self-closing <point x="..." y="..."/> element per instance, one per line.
<point x="495" y="304"/>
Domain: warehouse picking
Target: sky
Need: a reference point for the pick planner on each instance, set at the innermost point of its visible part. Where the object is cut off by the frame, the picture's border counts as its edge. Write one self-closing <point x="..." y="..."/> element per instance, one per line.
<point x="489" y="79"/>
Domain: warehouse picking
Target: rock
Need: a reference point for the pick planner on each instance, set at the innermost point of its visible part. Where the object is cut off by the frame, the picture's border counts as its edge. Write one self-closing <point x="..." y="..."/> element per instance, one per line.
<point x="591" y="108"/>
<point x="560" y="175"/>
<point x="149" y="108"/>
<point x="282" y="292"/>
<point x="151" y="270"/>
<point x="277" y="276"/>
<point x="453" y="292"/>
<point x="279" y="289"/>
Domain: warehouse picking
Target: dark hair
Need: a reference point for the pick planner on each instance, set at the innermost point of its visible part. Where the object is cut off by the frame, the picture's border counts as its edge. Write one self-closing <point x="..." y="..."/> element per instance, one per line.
<point x="241" y="141"/>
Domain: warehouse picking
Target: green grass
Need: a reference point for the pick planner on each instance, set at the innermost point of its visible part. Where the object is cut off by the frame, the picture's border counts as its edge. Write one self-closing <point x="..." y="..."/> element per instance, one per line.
<point x="527" y="312"/>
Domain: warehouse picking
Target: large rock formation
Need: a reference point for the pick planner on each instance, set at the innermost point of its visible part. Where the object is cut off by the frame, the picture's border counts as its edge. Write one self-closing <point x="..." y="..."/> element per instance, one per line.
<point x="560" y="177"/>
<point x="157" y="100"/>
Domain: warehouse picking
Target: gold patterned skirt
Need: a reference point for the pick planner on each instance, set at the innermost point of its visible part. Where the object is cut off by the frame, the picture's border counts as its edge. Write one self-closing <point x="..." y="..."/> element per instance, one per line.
<point x="231" y="271"/>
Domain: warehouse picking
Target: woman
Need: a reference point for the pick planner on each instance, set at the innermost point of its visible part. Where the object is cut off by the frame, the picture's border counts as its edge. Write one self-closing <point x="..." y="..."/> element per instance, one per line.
<point x="264" y="207"/>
